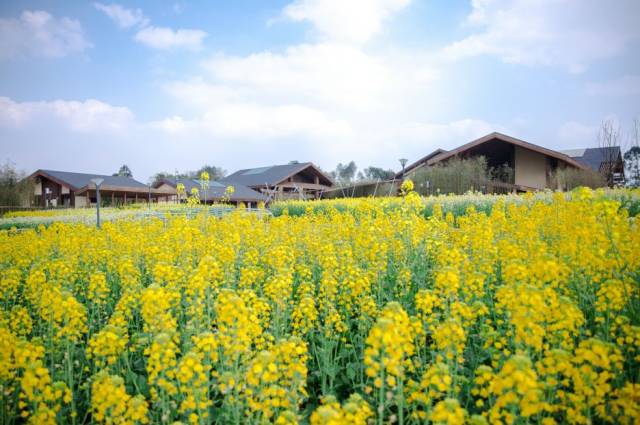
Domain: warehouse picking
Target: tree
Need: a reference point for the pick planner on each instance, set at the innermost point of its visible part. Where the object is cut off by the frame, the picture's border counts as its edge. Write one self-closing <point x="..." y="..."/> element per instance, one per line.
<point x="215" y="173"/>
<point x="345" y="173"/>
<point x="158" y="177"/>
<point x="632" y="156"/>
<point x="15" y="189"/>
<point x="609" y="138"/>
<point x="124" y="171"/>
<point x="632" y="163"/>
<point x="377" y="173"/>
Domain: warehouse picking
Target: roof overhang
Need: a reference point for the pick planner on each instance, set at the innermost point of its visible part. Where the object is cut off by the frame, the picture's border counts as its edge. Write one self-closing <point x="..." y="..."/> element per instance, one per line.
<point x="306" y="167"/>
<point x="127" y="189"/>
<point x="41" y="173"/>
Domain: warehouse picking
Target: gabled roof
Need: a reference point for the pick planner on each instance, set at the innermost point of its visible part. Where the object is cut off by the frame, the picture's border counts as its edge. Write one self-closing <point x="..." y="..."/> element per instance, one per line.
<point x="503" y="137"/>
<point x="217" y="190"/>
<point x="273" y="175"/>
<point x="595" y="157"/>
<point x="82" y="181"/>
<point x="508" y="139"/>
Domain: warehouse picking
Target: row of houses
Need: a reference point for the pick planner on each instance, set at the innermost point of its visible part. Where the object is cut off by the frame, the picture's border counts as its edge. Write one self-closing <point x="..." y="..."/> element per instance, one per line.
<point x="251" y="187"/>
<point x="532" y="165"/>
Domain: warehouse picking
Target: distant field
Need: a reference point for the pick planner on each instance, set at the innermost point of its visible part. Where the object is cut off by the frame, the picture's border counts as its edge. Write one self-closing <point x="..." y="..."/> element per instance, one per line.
<point x="464" y="309"/>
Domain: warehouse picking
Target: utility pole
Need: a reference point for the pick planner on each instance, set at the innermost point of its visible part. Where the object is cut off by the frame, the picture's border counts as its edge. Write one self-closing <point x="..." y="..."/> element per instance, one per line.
<point x="97" y="181"/>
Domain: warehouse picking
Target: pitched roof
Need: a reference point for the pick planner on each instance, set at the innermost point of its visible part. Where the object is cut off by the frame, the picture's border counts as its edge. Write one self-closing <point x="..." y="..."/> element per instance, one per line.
<point x="217" y="190"/>
<point x="503" y="137"/>
<point x="595" y="157"/>
<point x="272" y="175"/>
<point x="76" y="181"/>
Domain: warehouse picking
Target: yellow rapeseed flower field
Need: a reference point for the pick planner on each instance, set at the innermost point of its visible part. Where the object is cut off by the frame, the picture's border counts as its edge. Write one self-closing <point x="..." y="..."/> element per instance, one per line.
<point x="346" y="312"/>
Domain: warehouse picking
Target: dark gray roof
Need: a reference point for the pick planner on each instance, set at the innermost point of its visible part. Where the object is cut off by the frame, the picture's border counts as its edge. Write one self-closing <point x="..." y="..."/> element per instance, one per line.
<point x="270" y="175"/>
<point x="80" y="180"/>
<point x="594" y="157"/>
<point x="217" y="190"/>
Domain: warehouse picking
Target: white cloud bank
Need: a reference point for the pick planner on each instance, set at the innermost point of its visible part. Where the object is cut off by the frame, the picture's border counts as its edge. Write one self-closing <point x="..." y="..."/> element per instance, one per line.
<point x="38" y="33"/>
<point x="79" y="116"/>
<point x="123" y="17"/>
<point x="354" y="21"/>
<point x="328" y="101"/>
<point x="166" y="38"/>
<point x="570" y="34"/>
<point x="160" y="38"/>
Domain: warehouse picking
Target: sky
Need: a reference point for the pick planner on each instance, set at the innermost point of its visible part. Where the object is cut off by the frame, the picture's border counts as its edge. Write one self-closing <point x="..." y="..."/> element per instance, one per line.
<point x="166" y="86"/>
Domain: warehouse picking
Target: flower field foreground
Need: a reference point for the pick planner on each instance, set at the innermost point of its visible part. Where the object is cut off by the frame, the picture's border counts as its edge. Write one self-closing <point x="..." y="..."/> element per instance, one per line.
<point x="529" y="314"/>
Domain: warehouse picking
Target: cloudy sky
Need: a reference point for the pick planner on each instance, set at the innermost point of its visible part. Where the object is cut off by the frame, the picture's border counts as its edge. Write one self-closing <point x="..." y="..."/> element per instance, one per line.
<point x="88" y="86"/>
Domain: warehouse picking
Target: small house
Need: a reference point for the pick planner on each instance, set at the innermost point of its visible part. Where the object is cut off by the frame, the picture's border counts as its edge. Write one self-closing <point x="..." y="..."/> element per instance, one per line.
<point x="290" y="181"/>
<point x="216" y="192"/>
<point x="74" y="190"/>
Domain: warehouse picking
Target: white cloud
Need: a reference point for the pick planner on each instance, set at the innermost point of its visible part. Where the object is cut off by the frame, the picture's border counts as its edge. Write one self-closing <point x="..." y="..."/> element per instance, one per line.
<point x="250" y="122"/>
<point x="348" y="21"/>
<point x="628" y="85"/>
<point x="326" y="73"/>
<point x="123" y="17"/>
<point x="166" y="38"/>
<point x="569" y="33"/>
<point x="37" y="33"/>
<point x="80" y="116"/>
<point x="161" y="38"/>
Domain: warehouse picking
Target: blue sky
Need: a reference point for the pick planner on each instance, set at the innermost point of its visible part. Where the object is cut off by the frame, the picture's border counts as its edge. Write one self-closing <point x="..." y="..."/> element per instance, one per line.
<point x="88" y="86"/>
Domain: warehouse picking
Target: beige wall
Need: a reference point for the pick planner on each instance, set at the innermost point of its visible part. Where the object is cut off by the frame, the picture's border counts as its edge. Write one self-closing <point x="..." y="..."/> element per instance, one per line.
<point x="65" y="190"/>
<point x="37" y="189"/>
<point x="530" y="168"/>
<point x="81" y="201"/>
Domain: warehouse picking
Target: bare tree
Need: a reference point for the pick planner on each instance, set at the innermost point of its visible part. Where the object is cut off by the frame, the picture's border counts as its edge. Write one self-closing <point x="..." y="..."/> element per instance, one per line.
<point x="609" y="139"/>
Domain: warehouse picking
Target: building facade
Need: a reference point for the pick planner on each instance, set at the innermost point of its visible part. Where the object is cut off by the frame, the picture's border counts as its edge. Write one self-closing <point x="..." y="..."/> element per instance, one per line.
<point x="533" y="166"/>
<point x="290" y="181"/>
<point x="76" y="190"/>
<point x="216" y="192"/>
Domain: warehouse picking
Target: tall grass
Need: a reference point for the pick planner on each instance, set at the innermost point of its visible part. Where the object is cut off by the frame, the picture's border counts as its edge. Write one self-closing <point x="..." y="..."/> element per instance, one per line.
<point x="459" y="176"/>
<point x="571" y="178"/>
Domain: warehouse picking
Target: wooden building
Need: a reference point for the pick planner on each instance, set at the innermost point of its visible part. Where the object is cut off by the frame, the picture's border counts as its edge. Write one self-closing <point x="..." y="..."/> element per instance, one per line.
<point x="74" y="190"/>
<point x="533" y="166"/>
<point x="216" y="192"/>
<point x="290" y="181"/>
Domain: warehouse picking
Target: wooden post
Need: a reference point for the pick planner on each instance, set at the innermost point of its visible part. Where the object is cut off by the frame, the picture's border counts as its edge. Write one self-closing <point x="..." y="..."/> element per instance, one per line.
<point x="125" y="199"/>
<point x="136" y="197"/>
<point x="113" y="199"/>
